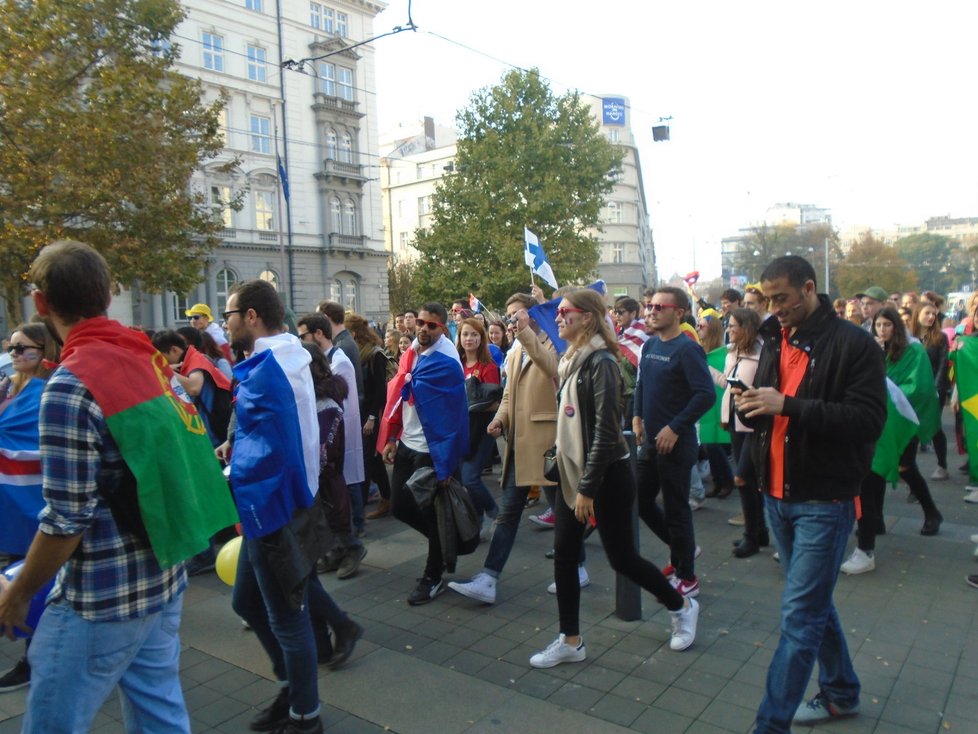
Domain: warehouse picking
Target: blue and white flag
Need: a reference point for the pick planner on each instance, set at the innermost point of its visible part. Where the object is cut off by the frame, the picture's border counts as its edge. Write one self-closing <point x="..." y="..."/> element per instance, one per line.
<point x="536" y="258"/>
<point x="20" y="470"/>
<point x="437" y="391"/>
<point x="275" y="461"/>
<point x="284" y="177"/>
<point x="545" y="314"/>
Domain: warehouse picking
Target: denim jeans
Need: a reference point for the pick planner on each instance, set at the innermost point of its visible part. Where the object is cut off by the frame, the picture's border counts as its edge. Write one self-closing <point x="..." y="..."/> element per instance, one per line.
<point x="285" y="633"/>
<point x="356" y="505"/>
<point x="673" y="524"/>
<point x="75" y="664"/>
<point x="471" y="472"/>
<point x="811" y="538"/>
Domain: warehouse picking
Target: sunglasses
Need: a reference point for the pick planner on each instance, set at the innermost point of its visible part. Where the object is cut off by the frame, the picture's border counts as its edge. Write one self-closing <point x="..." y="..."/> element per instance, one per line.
<point x="228" y="313"/>
<point x="562" y="312"/>
<point x="19" y="349"/>
<point x="196" y="316"/>
<point x="657" y="307"/>
<point x="428" y="324"/>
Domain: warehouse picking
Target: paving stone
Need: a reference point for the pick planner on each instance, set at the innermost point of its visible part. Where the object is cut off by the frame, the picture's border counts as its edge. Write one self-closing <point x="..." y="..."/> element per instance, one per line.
<point x="617" y="710"/>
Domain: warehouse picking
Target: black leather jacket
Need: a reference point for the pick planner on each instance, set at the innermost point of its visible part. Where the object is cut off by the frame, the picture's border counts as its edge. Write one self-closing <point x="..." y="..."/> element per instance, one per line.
<point x="837" y="414"/>
<point x="599" y="388"/>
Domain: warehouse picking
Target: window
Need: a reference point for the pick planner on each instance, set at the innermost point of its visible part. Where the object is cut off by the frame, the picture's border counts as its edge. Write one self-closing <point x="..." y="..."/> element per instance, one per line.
<point x="331" y="144"/>
<point x="160" y="47"/>
<point x="265" y="210"/>
<point x="335" y="290"/>
<point x="618" y="252"/>
<point x="346" y="148"/>
<point x="613" y="135"/>
<point x="613" y="213"/>
<point x="261" y="134"/>
<point x="341" y="24"/>
<point x="269" y="276"/>
<point x="349" y="217"/>
<point x="346" y="83"/>
<point x="222" y="125"/>
<point x="221" y="204"/>
<point x="257" y="5"/>
<point x="327" y="79"/>
<point x="321" y="17"/>
<point x="400" y="207"/>
<point x="180" y="306"/>
<point x="424" y="205"/>
<point x="405" y="239"/>
<point x="335" y="217"/>
<point x="213" y="51"/>
<point x="350" y="296"/>
<point x="257" y="69"/>
<point x="224" y="280"/>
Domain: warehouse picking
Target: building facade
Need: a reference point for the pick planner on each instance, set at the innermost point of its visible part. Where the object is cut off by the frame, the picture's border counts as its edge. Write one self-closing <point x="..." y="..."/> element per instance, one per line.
<point x="312" y="224"/>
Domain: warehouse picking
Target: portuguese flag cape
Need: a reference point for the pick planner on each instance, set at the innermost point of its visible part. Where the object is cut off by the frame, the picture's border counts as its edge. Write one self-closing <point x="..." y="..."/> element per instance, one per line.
<point x="182" y="494"/>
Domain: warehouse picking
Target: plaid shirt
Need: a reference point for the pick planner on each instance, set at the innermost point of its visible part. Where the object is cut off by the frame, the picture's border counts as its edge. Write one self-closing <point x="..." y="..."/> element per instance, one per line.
<point x="113" y="574"/>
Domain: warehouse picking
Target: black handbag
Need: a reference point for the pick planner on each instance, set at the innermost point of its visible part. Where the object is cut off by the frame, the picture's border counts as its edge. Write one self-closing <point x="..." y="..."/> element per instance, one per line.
<point x="551" y="472"/>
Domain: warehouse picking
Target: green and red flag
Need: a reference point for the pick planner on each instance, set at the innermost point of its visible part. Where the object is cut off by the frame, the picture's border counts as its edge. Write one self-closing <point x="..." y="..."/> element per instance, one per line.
<point x="710" y="429"/>
<point x="182" y="494"/>
<point x="965" y="360"/>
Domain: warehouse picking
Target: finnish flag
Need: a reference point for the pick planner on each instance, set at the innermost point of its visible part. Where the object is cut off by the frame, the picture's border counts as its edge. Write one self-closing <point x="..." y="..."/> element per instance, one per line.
<point x="535" y="257"/>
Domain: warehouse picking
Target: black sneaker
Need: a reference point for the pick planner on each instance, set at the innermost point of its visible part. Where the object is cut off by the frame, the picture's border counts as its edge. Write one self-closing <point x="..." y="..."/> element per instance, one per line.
<point x="294" y="726"/>
<point x="331" y="561"/>
<point x="17" y="677"/>
<point x="426" y="591"/>
<point x="275" y="716"/>
<point x="346" y="640"/>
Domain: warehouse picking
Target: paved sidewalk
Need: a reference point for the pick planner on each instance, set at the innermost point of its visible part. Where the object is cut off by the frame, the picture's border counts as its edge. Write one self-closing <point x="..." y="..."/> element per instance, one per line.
<point x="457" y="666"/>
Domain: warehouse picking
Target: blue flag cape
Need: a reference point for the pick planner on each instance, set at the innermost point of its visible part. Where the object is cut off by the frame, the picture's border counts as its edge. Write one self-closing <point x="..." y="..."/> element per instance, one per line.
<point x="20" y="470"/>
<point x="545" y="314"/>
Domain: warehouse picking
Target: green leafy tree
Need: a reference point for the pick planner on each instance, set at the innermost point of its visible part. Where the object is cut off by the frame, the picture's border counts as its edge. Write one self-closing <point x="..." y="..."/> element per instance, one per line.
<point x="98" y="140"/>
<point x="525" y="158"/>
<point x="930" y="256"/>
<point x="403" y="284"/>
<point x="870" y="261"/>
<point x="767" y="242"/>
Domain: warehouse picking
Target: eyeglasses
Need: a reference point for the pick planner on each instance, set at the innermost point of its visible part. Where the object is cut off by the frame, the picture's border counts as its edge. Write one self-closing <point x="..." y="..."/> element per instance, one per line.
<point x="620" y="311"/>
<point x="19" y="349"/>
<point x="196" y="316"/>
<point x="428" y="324"/>
<point x="562" y="312"/>
<point x="228" y="313"/>
<point x="657" y="307"/>
<point x="302" y="337"/>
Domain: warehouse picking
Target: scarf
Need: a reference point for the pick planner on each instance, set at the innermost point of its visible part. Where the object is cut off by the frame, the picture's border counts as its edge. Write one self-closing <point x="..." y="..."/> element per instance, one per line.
<point x="571" y="451"/>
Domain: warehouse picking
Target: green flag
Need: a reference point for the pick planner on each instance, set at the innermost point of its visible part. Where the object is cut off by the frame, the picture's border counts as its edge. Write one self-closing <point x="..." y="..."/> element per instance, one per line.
<point x="965" y="360"/>
<point x="710" y="429"/>
<point x="898" y="431"/>
<point x="913" y="374"/>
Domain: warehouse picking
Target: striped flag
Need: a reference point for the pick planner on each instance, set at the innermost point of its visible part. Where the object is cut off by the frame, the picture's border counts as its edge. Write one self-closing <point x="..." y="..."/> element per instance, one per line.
<point x="536" y="258"/>
<point x="631" y="340"/>
<point x="20" y="470"/>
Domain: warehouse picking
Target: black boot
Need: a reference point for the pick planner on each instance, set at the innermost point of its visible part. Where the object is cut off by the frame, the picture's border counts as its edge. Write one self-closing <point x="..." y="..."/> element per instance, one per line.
<point x="746" y="548"/>
<point x="346" y="640"/>
<point x="275" y="716"/>
<point x="932" y="524"/>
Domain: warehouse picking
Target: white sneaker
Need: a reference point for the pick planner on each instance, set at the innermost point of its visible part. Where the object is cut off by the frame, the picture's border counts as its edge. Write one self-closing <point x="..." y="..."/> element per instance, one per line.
<point x="974" y="538"/>
<point x="939" y="474"/>
<point x="684" y="626"/>
<point x="859" y="562"/>
<point x="558" y="652"/>
<point x="582" y="577"/>
<point x="972" y="496"/>
<point x="482" y="587"/>
<point x="695" y="504"/>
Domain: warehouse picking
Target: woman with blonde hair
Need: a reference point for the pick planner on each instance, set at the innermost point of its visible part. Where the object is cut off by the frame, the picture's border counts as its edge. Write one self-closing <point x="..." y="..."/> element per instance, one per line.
<point x="596" y="478"/>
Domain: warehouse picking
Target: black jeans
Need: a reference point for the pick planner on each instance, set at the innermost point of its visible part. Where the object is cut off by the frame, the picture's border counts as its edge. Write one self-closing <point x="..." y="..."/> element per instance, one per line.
<point x="673" y="524"/>
<point x="405" y="509"/>
<point x="751" y="501"/>
<point x="612" y="508"/>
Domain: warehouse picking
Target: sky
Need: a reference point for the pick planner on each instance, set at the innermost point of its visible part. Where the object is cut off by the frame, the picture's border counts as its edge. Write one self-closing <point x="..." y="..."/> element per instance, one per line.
<point x="866" y="108"/>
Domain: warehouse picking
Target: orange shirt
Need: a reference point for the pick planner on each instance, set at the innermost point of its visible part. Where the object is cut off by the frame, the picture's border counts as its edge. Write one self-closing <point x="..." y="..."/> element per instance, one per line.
<point x="792" y="368"/>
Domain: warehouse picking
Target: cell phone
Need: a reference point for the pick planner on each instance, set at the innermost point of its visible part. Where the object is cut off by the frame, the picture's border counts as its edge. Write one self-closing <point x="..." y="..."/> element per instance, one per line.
<point x="738" y="383"/>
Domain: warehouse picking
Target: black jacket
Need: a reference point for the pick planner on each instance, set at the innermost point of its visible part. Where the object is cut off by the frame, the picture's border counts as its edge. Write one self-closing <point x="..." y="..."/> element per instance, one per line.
<point x="836" y="416"/>
<point x="599" y="388"/>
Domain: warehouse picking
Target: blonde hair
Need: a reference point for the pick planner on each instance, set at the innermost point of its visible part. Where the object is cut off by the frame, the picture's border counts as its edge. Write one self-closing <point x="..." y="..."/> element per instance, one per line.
<point x="50" y="352"/>
<point x="590" y="302"/>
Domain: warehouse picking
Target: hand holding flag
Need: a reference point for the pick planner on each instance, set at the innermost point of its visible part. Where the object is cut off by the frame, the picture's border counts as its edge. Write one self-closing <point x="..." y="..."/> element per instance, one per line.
<point x="536" y="259"/>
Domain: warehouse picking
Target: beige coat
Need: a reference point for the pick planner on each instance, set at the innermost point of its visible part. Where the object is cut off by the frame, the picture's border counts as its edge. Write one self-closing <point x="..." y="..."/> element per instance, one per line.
<point x="528" y="409"/>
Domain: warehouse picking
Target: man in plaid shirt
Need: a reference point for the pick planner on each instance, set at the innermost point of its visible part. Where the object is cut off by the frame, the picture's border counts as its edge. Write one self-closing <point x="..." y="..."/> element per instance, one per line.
<point x="113" y="615"/>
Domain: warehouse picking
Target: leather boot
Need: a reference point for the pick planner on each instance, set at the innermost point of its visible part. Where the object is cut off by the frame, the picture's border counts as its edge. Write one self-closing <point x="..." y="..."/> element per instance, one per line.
<point x="382" y="510"/>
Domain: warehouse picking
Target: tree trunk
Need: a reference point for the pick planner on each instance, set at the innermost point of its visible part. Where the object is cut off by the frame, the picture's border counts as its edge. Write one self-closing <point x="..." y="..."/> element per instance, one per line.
<point x="12" y="301"/>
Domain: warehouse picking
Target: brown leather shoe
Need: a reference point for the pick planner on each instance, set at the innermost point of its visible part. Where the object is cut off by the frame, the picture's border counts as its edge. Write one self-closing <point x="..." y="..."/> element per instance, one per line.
<point x="383" y="509"/>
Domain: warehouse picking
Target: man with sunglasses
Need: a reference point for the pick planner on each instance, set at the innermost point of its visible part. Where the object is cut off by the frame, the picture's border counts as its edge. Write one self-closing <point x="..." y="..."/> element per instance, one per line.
<point x="673" y="391"/>
<point x="202" y="319"/>
<point x="425" y="424"/>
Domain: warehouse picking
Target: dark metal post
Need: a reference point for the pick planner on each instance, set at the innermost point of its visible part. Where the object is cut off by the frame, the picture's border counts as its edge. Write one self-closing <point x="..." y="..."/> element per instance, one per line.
<point x="628" y="594"/>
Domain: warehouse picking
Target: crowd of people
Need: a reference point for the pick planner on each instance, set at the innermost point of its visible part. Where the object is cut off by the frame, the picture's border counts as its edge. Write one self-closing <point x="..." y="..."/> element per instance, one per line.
<point x="317" y="418"/>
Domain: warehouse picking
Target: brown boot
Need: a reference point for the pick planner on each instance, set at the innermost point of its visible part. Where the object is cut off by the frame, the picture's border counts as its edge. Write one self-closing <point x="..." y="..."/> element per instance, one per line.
<point x="382" y="510"/>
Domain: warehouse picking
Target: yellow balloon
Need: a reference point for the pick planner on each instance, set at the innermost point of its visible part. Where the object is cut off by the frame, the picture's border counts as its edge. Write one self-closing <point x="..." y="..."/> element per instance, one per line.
<point x="227" y="561"/>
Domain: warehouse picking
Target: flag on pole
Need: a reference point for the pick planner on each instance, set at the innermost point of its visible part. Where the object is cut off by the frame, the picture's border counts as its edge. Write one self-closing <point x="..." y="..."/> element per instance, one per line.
<point x="474" y="303"/>
<point x="965" y="360"/>
<point x="284" y="177"/>
<point x="545" y="314"/>
<point x="536" y="258"/>
<point x="898" y="431"/>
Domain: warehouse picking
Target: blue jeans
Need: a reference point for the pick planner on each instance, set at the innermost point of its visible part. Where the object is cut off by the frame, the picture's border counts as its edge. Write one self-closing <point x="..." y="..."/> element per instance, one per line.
<point x="75" y="664"/>
<point x="284" y="632"/>
<point x="471" y="473"/>
<point x="356" y="506"/>
<point x="811" y="538"/>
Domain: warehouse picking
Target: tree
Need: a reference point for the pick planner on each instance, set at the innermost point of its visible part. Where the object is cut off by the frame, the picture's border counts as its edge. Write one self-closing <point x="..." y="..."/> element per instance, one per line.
<point x="870" y="262"/>
<point x="766" y="242"/>
<point x="525" y="158"/>
<point x="930" y="256"/>
<point x="98" y="139"/>
<point x="403" y="284"/>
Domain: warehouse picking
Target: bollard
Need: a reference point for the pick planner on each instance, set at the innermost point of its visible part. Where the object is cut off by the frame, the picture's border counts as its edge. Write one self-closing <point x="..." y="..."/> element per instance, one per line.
<point x="628" y="594"/>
